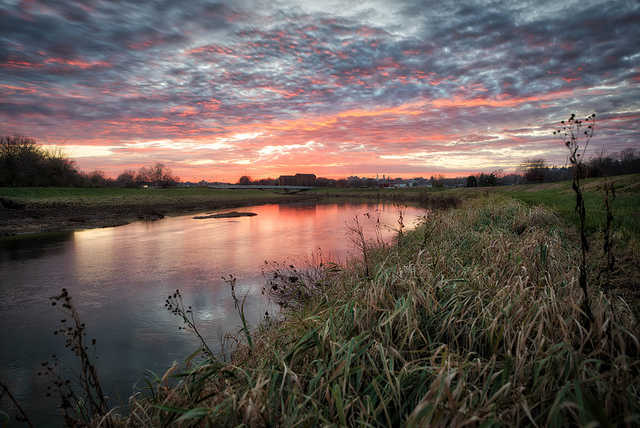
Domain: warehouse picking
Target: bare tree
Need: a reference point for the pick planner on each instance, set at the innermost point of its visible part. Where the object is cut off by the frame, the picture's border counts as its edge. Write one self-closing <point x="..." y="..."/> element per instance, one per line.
<point x="157" y="175"/>
<point x="97" y="178"/>
<point x="126" y="178"/>
<point x="245" y="180"/>
<point x="534" y="169"/>
<point x="143" y="177"/>
<point x="628" y="154"/>
<point x="162" y="175"/>
<point x="596" y="163"/>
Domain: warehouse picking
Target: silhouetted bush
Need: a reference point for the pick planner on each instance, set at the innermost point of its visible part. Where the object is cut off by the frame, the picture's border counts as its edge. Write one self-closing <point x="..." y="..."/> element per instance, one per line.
<point x="23" y="163"/>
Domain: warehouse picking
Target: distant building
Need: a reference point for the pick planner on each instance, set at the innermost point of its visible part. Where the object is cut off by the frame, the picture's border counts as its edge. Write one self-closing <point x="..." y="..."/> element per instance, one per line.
<point x="286" y="180"/>
<point x="296" y="180"/>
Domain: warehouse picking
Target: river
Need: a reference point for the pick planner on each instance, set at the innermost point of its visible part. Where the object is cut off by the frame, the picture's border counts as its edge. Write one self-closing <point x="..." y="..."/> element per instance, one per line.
<point x="119" y="279"/>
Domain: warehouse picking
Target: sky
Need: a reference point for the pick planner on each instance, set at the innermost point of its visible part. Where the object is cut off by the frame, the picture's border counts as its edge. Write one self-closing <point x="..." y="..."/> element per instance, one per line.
<point x="402" y="88"/>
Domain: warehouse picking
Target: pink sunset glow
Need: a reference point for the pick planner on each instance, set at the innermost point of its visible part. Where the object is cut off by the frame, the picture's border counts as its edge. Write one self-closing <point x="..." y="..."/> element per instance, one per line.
<point x="216" y="90"/>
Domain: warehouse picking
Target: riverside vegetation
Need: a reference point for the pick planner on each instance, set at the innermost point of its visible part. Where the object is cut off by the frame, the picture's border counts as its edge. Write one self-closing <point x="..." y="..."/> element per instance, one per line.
<point x="473" y="318"/>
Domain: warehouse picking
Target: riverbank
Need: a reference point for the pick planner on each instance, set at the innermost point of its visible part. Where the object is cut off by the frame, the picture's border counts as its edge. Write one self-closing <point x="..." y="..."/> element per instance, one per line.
<point x="35" y="210"/>
<point x="472" y="318"/>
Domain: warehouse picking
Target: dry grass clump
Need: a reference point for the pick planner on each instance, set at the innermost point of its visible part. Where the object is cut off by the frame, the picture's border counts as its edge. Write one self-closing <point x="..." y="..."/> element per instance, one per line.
<point x="475" y="319"/>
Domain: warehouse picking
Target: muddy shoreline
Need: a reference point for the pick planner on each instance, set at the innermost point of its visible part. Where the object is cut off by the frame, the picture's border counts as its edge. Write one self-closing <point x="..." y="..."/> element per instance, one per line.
<point x="64" y="216"/>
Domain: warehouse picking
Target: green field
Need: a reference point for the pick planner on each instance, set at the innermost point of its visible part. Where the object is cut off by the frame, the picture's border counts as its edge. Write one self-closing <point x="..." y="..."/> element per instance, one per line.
<point x="100" y="196"/>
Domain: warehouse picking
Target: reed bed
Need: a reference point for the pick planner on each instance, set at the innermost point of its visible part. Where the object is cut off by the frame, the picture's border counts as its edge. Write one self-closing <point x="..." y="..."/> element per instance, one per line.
<point x="475" y="319"/>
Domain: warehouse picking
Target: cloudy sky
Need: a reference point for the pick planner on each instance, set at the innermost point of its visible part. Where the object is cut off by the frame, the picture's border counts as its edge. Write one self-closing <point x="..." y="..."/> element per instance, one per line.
<point x="405" y="88"/>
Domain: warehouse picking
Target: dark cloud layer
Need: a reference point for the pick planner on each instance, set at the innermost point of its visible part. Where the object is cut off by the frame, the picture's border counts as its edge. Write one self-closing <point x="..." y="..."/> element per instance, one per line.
<point x="396" y="87"/>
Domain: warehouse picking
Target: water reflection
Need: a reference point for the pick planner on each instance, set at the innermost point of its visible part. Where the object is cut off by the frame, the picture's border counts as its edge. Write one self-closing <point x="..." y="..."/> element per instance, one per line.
<point x="33" y="246"/>
<point x="120" y="277"/>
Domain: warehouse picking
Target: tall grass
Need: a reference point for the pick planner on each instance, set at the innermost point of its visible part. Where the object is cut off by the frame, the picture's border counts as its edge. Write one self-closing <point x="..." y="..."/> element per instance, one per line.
<point x="474" y="320"/>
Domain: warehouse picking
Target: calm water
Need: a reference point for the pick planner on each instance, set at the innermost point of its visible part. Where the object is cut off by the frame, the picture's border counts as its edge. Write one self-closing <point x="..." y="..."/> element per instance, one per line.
<point x="119" y="279"/>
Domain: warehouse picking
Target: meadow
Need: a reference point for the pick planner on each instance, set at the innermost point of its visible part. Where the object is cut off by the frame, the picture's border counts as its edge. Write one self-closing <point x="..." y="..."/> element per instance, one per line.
<point x="107" y="196"/>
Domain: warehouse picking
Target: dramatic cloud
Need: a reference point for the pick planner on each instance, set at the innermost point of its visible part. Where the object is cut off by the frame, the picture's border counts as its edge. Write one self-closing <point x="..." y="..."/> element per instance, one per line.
<point x="403" y="88"/>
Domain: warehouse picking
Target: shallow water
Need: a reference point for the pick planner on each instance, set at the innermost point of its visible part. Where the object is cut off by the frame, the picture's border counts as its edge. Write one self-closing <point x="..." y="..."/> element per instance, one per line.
<point x="119" y="279"/>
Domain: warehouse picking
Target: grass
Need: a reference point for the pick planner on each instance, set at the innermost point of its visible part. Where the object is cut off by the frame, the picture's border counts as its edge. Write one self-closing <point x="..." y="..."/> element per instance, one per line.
<point x="100" y="196"/>
<point x="474" y="320"/>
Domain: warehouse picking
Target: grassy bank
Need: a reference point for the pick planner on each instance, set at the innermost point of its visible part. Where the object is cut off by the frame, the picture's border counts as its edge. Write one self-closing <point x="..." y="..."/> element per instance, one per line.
<point x="472" y="318"/>
<point x="103" y="197"/>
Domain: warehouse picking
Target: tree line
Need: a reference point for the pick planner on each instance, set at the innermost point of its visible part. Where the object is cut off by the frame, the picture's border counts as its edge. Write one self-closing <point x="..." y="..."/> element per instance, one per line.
<point x="538" y="170"/>
<point x="532" y="170"/>
<point x="601" y="164"/>
<point x="157" y="175"/>
<point x="25" y="163"/>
